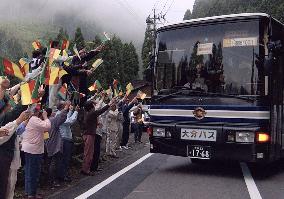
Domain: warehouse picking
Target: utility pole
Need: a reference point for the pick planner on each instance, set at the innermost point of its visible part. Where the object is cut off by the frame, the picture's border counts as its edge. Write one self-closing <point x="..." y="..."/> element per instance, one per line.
<point x="152" y="22"/>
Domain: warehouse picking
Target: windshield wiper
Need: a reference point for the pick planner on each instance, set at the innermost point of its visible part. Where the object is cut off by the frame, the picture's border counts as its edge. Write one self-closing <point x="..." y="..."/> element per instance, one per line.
<point x="213" y="94"/>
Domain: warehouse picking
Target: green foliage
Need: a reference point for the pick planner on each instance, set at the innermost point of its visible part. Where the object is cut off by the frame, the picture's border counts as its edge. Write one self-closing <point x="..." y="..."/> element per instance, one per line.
<point x="187" y="15"/>
<point x="10" y="47"/>
<point x="79" y="39"/>
<point x="207" y="8"/>
<point x="120" y="62"/>
<point x="62" y="35"/>
<point x="147" y="47"/>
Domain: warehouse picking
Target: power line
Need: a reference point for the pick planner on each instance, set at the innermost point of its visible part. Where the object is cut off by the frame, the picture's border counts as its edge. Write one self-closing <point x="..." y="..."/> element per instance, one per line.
<point x="169" y="7"/>
<point x="131" y="13"/>
<point x="164" y="6"/>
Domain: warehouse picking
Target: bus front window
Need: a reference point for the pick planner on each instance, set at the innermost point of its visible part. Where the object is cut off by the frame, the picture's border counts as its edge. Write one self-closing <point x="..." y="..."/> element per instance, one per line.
<point x="212" y="58"/>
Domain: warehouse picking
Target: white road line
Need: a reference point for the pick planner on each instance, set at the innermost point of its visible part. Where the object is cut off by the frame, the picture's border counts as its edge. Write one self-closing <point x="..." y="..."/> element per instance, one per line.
<point x="112" y="178"/>
<point x="251" y="186"/>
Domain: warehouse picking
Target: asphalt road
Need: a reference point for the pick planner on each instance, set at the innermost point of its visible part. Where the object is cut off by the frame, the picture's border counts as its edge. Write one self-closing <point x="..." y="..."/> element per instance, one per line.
<point x="168" y="177"/>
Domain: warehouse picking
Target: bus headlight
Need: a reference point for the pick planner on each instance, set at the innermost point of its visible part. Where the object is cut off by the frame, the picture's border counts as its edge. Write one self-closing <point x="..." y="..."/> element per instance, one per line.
<point x="244" y="137"/>
<point x="159" y="132"/>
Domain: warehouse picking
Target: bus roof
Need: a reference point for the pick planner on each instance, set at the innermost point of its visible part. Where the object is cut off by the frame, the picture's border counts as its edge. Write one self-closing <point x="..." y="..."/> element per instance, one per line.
<point x="216" y="18"/>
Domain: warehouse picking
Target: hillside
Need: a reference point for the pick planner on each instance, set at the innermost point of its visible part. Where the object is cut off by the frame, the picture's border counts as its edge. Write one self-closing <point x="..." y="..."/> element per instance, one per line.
<point x="207" y="8"/>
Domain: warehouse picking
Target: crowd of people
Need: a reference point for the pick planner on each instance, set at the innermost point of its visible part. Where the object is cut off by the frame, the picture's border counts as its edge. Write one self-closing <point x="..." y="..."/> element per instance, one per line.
<point x="40" y="134"/>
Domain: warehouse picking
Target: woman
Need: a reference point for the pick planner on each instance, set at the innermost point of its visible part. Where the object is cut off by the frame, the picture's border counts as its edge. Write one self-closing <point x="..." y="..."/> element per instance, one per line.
<point x="112" y="130"/>
<point x="90" y="127"/>
<point x="33" y="146"/>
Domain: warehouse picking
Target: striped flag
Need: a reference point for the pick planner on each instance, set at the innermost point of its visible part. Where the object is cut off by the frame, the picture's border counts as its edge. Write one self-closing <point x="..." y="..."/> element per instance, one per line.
<point x="65" y="44"/>
<point x="24" y="64"/>
<point x="35" y="93"/>
<point x="36" y="45"/>
<point x="26" y="92"/>
<point x="115" y="83"/>
<point x="53" y="54"/>
<point x="129" y="88"/>
<point x="96" y="64"/>
<point x="63" y="92"/>
<point x="96" y="86"/>
<point x="10" y="68"/>
<point x="141" y="95"/>
<point x="105" y="37"/>
<point x="76" y="51"/>
<point x="54" y="74"/>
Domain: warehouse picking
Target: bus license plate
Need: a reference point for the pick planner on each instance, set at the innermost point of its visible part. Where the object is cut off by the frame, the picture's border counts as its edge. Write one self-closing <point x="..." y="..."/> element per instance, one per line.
<point x="200" y="152"/>
<point x="199" y="134"/>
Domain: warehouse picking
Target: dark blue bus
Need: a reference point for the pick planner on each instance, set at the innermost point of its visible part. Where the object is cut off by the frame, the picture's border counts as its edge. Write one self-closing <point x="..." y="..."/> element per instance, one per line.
<point x="218" y="89"/>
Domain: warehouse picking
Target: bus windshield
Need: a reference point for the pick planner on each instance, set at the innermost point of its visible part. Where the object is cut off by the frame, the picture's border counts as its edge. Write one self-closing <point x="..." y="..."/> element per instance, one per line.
<point x="216" y="58"/>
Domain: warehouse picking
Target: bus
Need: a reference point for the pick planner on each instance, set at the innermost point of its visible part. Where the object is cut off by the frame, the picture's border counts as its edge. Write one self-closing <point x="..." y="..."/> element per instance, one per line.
<point x="218" y="89"/>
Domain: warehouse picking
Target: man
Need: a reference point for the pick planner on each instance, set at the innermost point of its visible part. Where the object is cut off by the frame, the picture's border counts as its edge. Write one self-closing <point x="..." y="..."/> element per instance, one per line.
<point x="126" y="122"/>
<point x="67" y="143"/>
<point x="90" y="127"/>
<point x="53" y="144"/>
<point x="78" y="70"/>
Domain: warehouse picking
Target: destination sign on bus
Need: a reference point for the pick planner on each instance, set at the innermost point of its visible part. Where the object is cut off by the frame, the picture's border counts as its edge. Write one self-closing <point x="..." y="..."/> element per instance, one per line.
<point x="238" y="42"/>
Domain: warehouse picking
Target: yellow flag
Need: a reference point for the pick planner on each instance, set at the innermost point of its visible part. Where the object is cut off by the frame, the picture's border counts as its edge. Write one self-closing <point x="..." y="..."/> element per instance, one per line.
<point x="129" y="88"/>
<point x="26" y="94"/>
<point x="141" y="95"/>
<point x="56" y="53"/>
<point x="61" y="73"/>
<point x="24" y="66"/>
<point x="53" y="75"/>
<point x="97" y="63"/>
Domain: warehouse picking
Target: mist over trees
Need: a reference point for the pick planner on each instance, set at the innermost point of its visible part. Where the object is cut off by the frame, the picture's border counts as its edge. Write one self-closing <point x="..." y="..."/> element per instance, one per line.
<point x="207" y="8"/>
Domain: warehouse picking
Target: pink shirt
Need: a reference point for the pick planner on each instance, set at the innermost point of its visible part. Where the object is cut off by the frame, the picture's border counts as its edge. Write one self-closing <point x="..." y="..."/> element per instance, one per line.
<point x="33" y="137"/>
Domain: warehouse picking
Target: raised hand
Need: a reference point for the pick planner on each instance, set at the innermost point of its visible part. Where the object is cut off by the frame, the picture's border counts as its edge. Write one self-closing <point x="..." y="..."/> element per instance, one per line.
<point x="4" y="132"/>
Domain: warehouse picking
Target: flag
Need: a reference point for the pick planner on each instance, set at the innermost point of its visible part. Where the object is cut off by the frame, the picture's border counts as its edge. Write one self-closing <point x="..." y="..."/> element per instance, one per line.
<point x="129" y="88"/>
<point x="115" y="83"/>
<point x="65" y="44"/>
<point x="96" y="86"/>
<point x="10" y="68"/>
<point x="120" y="93"/>
<point x="141" y="95"/>
<point x="61" y="73"/>
<point x="76" y="51"/>
<point x="105" y="37"/>
<point x="63" y="92"/>
<point x="35" y="93"/>
<point x="96" y="64"/>
<point x="53" y="76"/>
<point x="36" y="44"/>
<point x="115" y="93"/>
<point x="53" y="54"/>
<point x="26" y="92"/>
<point x="24" y="64"/>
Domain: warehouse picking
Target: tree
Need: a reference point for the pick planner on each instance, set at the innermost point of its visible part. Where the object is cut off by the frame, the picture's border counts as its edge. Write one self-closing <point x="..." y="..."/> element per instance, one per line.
<point x="120" y="62"/>
<point x="62" y="35"/>
<point x="147" y="47"/>
<point x="79" y="39"/>
<point x="187" y="15"/>
<point x="207" y="8"/>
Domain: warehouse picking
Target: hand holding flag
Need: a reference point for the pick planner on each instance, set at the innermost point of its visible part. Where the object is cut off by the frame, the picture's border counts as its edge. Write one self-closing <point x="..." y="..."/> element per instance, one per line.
<point x="141" y="95"/>
<point x="96" y="64"/>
